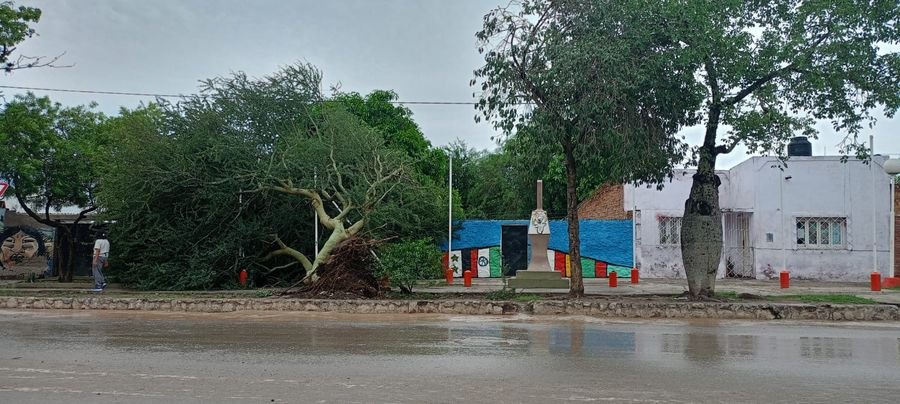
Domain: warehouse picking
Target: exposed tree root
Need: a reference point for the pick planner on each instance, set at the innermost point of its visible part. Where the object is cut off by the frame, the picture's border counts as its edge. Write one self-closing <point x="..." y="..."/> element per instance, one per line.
<point x="349" y="272"/>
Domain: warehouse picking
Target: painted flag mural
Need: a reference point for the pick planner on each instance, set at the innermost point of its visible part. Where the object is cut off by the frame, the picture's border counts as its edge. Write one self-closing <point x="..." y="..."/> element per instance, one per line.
<point x="484" y="263"/>
<point x="496" y="262"/>
<point x="606" y="246"/>
<point x="456" y="263"/>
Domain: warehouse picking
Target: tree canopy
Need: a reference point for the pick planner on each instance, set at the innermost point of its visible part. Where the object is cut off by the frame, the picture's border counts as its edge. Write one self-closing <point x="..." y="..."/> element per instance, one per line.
<point x="592" y="82"/>
<point x="231" y="178"/>
<point x="769" y="71"/>
<point x="52" y="155"/>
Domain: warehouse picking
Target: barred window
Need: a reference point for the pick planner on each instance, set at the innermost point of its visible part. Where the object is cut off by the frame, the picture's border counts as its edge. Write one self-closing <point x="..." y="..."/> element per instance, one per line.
<point x="669" y="230"/>
<point x="822" y="232"/>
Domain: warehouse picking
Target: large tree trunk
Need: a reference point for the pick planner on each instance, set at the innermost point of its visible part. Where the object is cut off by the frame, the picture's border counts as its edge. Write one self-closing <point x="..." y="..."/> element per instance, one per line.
<point x="701" y="226"/>
<point x="338" y="236"/>
<point x="576" y="288"/>
<point x="65" y="254"/>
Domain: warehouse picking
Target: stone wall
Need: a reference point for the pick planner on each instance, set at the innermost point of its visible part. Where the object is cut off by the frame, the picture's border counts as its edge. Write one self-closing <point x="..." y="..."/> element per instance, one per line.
<point x="593" y="308"/>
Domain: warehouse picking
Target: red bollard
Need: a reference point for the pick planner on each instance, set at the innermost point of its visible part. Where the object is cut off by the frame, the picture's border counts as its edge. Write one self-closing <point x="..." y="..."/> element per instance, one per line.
<point x="242" y="277"/>
<point x="613" y="279"/>
<point x="634" y="275"/>
<point x="785" y="278"/>
<point x="449" y="275"/>
<point x="876" y="282"/>
<point x="467" y="279"/>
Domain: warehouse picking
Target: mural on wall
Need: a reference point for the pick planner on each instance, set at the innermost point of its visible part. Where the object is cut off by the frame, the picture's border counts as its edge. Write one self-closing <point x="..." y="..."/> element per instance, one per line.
<point x="24" y="250"/>
<point x="606" y="246"/>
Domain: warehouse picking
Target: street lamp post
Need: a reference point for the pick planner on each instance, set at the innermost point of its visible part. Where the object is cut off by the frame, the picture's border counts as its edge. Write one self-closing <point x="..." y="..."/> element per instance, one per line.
<point x="892" y="167"/>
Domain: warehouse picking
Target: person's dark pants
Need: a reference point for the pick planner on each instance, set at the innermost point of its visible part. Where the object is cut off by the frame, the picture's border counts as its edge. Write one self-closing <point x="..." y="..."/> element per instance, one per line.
<point x="99" y="279"/>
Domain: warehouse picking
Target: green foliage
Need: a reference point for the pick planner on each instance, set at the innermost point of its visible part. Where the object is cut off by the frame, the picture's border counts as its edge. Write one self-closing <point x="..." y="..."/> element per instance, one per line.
<point x="51" y="152"/>
<point x="15" y="27"/>
<point x="831" y="298"/>
<point x="508" y="294"/>
<point x="407" y="262"/>
<point x="607" y="93"/>
<point x="52" y="156"/>
<point x="191" y="185"/>
<point x="262" y="293"/>
<point x="771" y="70"/>
<point x="416" y="213"/>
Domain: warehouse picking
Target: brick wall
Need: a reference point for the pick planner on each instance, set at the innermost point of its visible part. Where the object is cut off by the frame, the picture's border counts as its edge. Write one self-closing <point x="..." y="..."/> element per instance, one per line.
<point x="606" y="203"/>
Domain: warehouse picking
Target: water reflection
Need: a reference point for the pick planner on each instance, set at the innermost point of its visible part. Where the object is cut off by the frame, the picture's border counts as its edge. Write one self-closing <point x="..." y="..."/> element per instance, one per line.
<point x="689" y="343"/>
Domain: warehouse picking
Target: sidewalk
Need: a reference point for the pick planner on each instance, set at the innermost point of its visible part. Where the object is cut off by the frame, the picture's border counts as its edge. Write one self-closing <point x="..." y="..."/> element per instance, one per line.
<point x="593" y="287"/>
<point x="652" y="287"/>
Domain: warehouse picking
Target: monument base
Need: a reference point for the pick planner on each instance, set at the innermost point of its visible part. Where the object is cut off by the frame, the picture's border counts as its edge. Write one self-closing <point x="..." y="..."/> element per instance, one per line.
<point x="538" y="280"/>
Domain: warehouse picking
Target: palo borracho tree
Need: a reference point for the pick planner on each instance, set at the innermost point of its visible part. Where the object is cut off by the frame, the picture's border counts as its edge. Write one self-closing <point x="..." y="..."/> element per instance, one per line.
<point x="593" y="82"/>
<point x="51" y="155"/>
<point x="771" y="69"/>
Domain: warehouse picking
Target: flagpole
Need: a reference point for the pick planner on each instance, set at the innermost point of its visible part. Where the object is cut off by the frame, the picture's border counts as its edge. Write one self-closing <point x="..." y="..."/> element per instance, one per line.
<point x="450" y="211"/>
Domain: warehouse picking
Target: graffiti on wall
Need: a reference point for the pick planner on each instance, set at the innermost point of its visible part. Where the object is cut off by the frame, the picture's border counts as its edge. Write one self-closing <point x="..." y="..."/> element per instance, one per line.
<point x="606" y="246"/>
<point x="24" y="250"/>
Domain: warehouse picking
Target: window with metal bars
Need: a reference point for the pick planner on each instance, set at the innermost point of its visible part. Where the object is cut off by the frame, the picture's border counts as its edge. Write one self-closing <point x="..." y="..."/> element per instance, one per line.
<point x="669" y="230"/>
<point x="822" y="232"/>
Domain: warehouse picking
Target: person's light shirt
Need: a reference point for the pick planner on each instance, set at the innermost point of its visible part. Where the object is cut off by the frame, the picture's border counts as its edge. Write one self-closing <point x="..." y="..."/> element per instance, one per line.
<point x="103" y="246"/>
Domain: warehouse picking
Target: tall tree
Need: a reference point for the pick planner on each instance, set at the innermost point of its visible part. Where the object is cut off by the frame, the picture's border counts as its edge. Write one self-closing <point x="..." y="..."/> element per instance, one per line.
<point x="222" y="180"/>
<point x="770" y="69"/>
<point x="51" y="155"/>
<point x="604" y="93"/>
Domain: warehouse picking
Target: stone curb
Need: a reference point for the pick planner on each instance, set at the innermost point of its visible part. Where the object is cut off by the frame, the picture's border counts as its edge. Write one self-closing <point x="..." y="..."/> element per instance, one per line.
<point x="609" y="309"/>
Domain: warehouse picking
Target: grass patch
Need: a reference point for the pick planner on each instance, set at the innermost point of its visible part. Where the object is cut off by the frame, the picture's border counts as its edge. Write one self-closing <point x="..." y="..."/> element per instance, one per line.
<point x="510" y="294"/>
<point x="726" y="295"/>
<point x="830" y="298"/>
<point x="431" y="283"/>
<point x="502" y="294"/>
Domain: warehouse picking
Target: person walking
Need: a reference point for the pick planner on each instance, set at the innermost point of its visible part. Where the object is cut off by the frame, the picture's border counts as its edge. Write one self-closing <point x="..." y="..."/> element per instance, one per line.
<point x="101" y="257"/>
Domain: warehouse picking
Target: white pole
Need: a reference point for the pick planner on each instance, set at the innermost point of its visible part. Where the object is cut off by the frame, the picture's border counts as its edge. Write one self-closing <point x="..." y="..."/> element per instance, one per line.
<point x="892" y="271"/>
<point x="781" y="180"/>
<point x="450" y="211"/>
<point x="316" y="212"/>
<point x="874" y="199"/>
<point x="633" y="227"/>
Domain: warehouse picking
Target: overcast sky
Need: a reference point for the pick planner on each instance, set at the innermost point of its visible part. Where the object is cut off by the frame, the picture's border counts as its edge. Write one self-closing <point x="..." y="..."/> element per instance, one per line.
<point x="425" y="50"/>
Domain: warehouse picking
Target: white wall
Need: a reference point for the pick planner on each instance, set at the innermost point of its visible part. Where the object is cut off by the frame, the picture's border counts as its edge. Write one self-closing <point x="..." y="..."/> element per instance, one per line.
<point x="653" y="259"/>
<point x="820" y="186"/>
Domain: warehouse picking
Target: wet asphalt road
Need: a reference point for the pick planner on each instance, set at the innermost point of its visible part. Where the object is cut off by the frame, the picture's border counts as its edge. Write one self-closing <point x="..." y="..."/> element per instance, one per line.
<point x="127" y="357"/>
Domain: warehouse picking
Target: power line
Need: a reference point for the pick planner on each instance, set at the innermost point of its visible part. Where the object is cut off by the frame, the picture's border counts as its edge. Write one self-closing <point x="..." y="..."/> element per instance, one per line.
<point x="160" y="95"/>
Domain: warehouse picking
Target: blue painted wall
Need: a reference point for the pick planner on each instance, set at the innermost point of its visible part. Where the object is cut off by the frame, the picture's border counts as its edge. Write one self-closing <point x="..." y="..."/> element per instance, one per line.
<point x="602" y="240"/>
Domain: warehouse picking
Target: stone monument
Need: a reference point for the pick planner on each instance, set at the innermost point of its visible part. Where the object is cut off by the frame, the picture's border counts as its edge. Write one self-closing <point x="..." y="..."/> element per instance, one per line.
<point x="539" y="273"/>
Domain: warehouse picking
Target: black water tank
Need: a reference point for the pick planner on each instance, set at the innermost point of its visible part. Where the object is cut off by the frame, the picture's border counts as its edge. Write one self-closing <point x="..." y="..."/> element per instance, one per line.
<point x="800" y="146"/>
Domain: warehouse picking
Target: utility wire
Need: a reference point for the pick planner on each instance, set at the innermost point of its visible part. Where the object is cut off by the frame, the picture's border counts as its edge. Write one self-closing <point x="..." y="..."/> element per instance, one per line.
<point x="160" y="95"/>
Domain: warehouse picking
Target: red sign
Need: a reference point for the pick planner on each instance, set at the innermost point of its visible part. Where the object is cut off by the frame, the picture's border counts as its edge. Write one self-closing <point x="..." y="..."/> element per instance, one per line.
<point x="3" y="187"/>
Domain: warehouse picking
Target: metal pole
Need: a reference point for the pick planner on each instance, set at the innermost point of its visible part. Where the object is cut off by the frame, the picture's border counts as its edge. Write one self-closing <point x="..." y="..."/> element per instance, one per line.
<point x="874" y="199"/>
<point x="450" y="211"/>
<point x="893" y="269"/>
<point x="633" y="228"/>
<point x="781" y="180"/>
<point x="316" y="212"/>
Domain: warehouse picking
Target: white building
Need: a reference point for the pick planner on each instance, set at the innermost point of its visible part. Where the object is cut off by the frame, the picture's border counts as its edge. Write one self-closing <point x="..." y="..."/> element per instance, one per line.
<point x="825" y="231"/>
